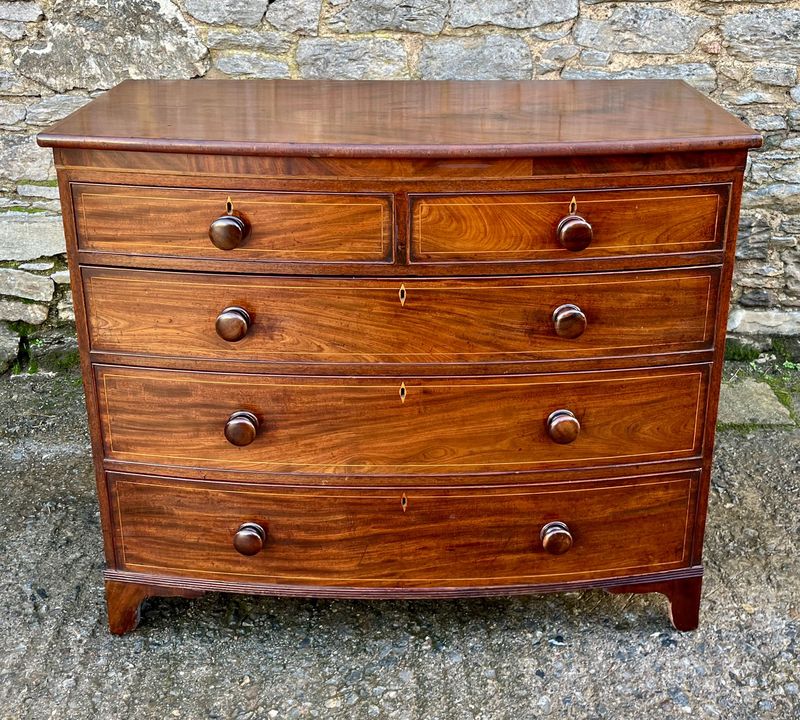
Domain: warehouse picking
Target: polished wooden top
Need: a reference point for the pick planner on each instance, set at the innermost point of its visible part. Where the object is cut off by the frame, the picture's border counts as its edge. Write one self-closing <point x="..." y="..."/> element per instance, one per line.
<point x="402" y="118"/>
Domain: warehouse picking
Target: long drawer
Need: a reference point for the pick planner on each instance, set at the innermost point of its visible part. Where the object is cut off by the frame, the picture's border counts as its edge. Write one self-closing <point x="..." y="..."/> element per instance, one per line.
<point x="379" y="426"/>
<point x="558" y="317"/>
<point x="518" y="227"/>
<point x="400" y="537"/>
<point x="280" y="226"/>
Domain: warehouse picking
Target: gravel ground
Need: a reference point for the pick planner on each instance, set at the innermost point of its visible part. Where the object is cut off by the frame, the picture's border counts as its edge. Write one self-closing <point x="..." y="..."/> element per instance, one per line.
<point x="579" y="655"/>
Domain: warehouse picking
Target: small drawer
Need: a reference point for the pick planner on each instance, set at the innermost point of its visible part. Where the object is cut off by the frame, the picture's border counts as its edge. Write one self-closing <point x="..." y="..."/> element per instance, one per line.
<point x="303" y="320"/>
<point x="518" y="227"/>
<point x="388" y="426"/>
<point x="403" y="537"/>
<point x="245" y="225"/>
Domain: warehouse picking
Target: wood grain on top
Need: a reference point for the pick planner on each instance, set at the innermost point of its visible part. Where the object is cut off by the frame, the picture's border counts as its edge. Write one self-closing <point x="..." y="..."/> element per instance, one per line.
<point x="402" y="118"/>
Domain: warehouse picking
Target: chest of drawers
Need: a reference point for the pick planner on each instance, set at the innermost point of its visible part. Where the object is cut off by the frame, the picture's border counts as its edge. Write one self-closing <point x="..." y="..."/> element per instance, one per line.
<point x="401" y="339"/>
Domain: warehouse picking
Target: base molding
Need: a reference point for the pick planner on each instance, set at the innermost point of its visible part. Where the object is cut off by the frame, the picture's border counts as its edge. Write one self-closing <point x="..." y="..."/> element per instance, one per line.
<point x="126" y="591"/>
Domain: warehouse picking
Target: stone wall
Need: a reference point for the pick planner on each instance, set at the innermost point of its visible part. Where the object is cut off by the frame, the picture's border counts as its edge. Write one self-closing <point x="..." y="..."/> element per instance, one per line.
<point x="56" y="54"/>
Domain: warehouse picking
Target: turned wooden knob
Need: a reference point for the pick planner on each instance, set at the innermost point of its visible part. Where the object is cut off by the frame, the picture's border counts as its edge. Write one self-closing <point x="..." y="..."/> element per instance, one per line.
<point x="249" y="538"/>
<point x="556" y="538"/>
<point x="563" y="427"/>
<point x="233" y="323"/>
<point x="574" y="233"/>
<point x="228" y="232"/>
<point x="569" y="321"/>
<point x="241" y="428"/>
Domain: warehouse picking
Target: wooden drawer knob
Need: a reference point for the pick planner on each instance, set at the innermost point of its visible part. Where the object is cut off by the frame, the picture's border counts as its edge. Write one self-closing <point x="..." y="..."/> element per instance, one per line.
<point x="574" y="233"/>
<point x="249" y="539"/>
<point x="569" y="321"/>
<point x="556" y="538"/>
<point x="228" y="232"/>
<point x="563" y="427"/>
<point x="233" y="323"/>
<point x="241" y="428"/>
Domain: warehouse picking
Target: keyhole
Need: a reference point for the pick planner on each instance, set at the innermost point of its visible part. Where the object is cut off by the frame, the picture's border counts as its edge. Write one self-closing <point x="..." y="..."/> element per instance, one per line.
<point x="573" y="206"/>
<point x="404" y="502"/>
<point x="228" y="206"/>
<point x="402" y="295"/>
<point x="402" y="392"/>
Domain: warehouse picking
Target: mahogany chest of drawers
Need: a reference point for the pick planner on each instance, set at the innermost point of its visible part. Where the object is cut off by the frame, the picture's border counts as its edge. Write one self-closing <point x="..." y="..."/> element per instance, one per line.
<point x="401" y="339"/>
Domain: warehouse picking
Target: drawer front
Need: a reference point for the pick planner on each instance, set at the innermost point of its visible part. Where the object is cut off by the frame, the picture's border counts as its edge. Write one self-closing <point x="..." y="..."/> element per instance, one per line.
<point x="403" y="537"/>
<point x="171" y="222"/>
<point x="513" y="227"/>
<point x="375" y="426"/>
<point x="411" y="321"/>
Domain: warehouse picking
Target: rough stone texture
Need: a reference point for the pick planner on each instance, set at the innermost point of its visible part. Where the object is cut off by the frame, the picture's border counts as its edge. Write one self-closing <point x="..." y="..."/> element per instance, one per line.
<point x="13" y="30"/>
<point x="9" y="347"/>
<point x="745" y="56"/>
<point x="475" y="59"/>
<point x="20" y="10"/>
<point x="11" y="112"/>
<point x="419" y="16"/>
<point x="352" y="59"/>
<point x="19" y="283"/>
<point x="748" y="401"/>
<point x="21" y="157"/>
<point x="299" y="16"/>
<point x="61" y="277"/>
<point x="25" y="236"/>
<point x="250" y="64"/>
<point x="511" y="13"/>
<point x="642" y="29"/>
<point x="90" y="45"/>
<point x="772" y="322"/>
<point x="572" y="656"/>
<point x="222" y="12"/>
<point x="770" y="34"/>
<point x="265" y="40"/>
<point x="65" y="308"/>
<point x="16" y="310"/>
<point x="49" y="110"/>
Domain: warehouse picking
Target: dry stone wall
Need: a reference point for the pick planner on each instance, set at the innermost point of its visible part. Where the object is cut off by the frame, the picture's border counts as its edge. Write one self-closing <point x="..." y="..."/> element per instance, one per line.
<point x="57" y="54"/>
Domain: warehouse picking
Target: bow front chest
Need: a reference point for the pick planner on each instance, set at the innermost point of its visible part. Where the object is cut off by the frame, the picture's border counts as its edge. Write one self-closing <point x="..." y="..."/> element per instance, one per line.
<point x="401" y="339"/>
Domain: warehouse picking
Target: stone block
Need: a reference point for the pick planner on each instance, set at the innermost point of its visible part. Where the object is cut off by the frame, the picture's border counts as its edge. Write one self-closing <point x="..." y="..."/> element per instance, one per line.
<point x="250" y="64"/>
<point x="782" y="75"/>
<point x="60" y="277"/>
<point x="295" y="16"/>
<point x="65" y="308"/>
<point x="18" y="311"/>
<point x="351" y="59"/>
<point x="50" y="192"/>
<point x="13" y="30"/>
<point x="766" y="33"/>
<point x="754" y="236"/>
<point x="764" y="322"/>
<point x="50" y="109"/>
<point x="265" y="40"/>
<point x="420" y="16"/>
<point x="21" y="284"/>
<point x="21" y="157"/>
<point x="749" y="402"/>
<point x="511" y="13"/>
<point x="224" y="12"/>
<point x="642" y="29"/>
<point x="27" y="236"/>
<point x="11" y="112"/>
<point x="490" y="57"/>
<point x="9" y="347"/>
<point x="20" y="11"/>
<point x="90" y="45"/>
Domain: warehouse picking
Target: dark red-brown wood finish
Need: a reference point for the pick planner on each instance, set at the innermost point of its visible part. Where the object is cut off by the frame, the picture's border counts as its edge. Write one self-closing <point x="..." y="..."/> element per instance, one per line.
<point x="401" y="339"/>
